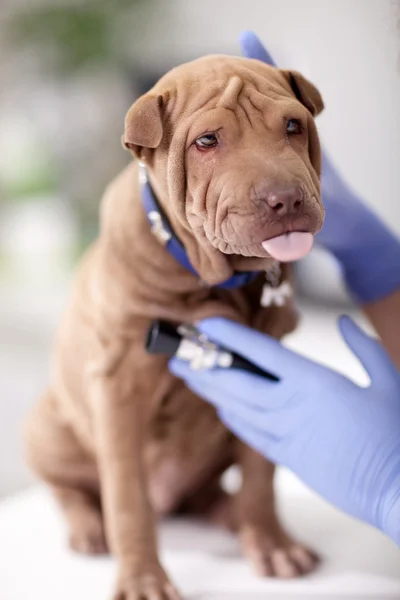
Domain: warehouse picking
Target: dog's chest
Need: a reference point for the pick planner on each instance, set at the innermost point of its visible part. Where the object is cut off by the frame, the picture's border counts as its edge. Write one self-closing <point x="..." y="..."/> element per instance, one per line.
<point x="179" y="416"/>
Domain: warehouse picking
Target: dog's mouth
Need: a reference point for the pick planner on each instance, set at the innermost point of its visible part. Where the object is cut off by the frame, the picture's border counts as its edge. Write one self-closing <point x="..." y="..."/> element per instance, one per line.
<point x="285" y="243"/>
<point x="256" y="234"/>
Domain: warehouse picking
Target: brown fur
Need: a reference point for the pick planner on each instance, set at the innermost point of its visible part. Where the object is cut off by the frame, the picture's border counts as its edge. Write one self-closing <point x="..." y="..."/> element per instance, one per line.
<point x="117" y="437"/>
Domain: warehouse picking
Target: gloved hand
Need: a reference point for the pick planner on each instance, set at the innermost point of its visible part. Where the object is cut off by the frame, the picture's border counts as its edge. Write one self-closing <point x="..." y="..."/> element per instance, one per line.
<point x="368" y="252"/>
<point x="341" y="439"/>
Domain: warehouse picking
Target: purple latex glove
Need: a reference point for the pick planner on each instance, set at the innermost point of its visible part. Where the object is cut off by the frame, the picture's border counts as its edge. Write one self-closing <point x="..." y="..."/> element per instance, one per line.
<point x="368" y="252"/>
<point x="341" y="439"/>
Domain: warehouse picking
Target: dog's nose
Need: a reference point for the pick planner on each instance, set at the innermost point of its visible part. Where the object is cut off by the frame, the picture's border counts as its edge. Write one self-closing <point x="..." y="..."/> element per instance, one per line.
<point x="285" y="202"/>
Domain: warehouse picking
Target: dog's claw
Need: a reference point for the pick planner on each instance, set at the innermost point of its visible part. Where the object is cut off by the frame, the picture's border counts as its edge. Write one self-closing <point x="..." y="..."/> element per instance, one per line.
<point x="151" y="585"/>
<point x="277" y="555"/>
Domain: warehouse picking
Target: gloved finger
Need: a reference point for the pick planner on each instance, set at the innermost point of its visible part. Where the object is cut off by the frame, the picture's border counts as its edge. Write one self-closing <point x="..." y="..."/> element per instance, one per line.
<point x="252" y="47"/>
<point x="368" y="350"/>
<point x="247" y="388"/>
<point x="272" y="411"/>
<point x="260" y="441"/>
<point x="260" y="349"/>
<point x="223" y="399"/>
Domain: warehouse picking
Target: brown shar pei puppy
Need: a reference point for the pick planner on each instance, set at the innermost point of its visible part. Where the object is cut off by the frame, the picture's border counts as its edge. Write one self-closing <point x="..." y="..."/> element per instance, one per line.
<point x="233" y="158"/>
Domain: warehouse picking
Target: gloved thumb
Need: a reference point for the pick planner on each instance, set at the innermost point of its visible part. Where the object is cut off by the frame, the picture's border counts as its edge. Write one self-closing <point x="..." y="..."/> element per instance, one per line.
<point x="368" y="350"/>
<point x="252" y="47"/>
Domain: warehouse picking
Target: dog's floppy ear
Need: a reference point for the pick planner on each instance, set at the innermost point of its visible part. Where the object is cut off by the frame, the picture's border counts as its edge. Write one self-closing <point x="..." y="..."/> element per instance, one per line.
<point x="143" y="124"/>
<point x="305" y="91"/>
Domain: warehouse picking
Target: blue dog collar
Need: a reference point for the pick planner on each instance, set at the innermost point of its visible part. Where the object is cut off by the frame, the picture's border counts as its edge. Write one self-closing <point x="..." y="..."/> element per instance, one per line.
<point x="163" y="231"/>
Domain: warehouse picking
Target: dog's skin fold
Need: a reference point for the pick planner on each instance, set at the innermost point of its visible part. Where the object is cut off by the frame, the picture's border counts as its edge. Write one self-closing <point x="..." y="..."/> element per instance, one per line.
<point x="118" y="438"/>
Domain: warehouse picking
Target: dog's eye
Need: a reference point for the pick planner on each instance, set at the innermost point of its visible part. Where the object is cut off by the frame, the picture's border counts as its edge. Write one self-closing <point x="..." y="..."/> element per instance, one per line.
<point x="293" y="127"/>
<point x="209" y="140"/>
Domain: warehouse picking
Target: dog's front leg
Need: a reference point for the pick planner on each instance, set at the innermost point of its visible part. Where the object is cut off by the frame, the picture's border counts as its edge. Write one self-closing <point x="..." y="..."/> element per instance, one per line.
<point x="121" y="402"/>
<point x="271" y="551"/>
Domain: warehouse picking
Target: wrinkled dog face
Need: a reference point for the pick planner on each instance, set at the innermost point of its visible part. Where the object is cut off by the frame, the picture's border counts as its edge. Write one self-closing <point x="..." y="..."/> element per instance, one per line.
<point x="235" y="143"/>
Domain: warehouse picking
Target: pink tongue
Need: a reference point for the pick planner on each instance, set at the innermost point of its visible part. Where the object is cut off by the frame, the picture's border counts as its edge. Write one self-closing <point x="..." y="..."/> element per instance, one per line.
<point x="289" y="246"/>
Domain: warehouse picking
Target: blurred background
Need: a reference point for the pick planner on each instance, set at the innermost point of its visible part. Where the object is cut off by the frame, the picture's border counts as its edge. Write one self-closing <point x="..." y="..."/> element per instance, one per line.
<point x="69" y="71"/>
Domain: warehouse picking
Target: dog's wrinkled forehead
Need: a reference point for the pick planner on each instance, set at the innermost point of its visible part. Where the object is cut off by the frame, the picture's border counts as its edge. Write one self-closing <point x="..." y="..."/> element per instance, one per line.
<point x="207" y="83"/>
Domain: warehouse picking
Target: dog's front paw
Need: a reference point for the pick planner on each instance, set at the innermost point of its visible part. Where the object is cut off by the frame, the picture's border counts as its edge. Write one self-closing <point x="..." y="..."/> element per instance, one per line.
<point x="151" y="583"/>
<point x="275" y="554"/>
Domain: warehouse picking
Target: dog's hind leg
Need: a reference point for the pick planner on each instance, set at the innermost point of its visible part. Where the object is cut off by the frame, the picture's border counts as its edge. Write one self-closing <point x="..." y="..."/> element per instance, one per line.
<point x="55" y="454"/>
<point x="85" y="520"/>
